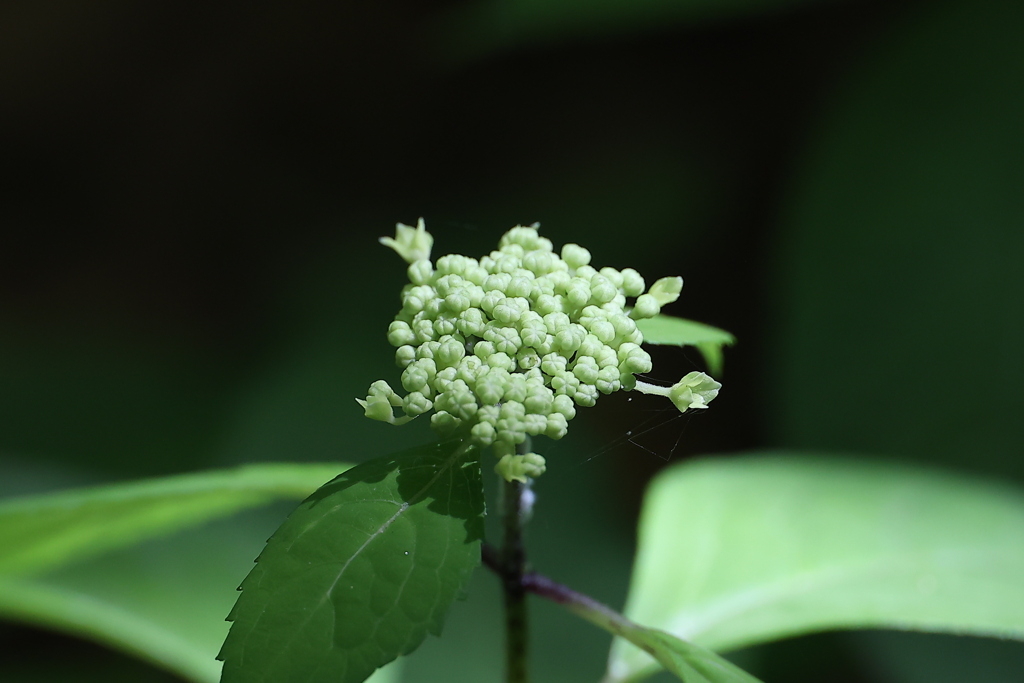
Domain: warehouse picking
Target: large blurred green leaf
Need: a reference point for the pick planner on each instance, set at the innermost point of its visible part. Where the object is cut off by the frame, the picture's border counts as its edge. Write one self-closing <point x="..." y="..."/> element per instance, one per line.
<point x="899" y="316"/>
<point x="161" y="599"/>
<point x="361" y="571"/>
<point x="669" y="330"/>
<point x="739" y="551"/>
<point x="690" y="663"/>
<point x="43" y="531"/>
<point x="486" y="25"/>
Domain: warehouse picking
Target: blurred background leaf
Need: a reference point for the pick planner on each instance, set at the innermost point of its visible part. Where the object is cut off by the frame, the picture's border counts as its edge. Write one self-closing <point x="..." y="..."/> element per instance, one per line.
<point x="781" y="545"/>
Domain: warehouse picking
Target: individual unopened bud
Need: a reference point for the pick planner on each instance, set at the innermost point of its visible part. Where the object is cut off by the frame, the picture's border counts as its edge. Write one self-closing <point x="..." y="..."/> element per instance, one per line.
<point x="382" y="388"/>
<point x="575" y="255"/>
<point x="483" y="433"/>
<point x="695" y="390"/>
<point x="405" y="355"/>
<point x="519" y="286"/>
<point x="565" y="406"/>
<point x="586" y="395"/>
<point x="577" y="294"/>
<point x="420" y="272"/>
<point x="377" y="408"/>
<point x="400" y="333"/>
<point x="666" y="290"/>
<point x="608" y="380"/>
<point x="520" y="468"/>
<point x="553" y="363"/>
<point x="632" y="282"/>
<point x="449" y="353"/>
<point x="444" y="423"/>
<point x="646" y="306"/>
<point x="471" y="322"/>
<point x="602" y="290"/>
<point x="557" y="426"/>
<point x="412" y="244"/>
<point x="416" y="404"/>
<point x="585" y="369"/>
<point x="418" y="375"/>
<point x="534" y="424"/>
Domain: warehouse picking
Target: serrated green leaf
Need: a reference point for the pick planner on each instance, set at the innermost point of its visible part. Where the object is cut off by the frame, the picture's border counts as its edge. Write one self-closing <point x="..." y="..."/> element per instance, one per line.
<point x="671" y="331"/>
<point x="41" y="532"/>
<point x="361" y="571"/>
<point x="739" y="551"/>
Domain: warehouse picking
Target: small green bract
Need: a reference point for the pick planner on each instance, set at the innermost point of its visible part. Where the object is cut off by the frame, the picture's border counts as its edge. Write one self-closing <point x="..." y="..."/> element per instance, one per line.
<point x="508" y="345"/>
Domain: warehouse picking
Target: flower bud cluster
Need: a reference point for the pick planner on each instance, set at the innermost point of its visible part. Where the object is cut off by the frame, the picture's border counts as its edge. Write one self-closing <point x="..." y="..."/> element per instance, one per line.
<point x="508" y="345"/>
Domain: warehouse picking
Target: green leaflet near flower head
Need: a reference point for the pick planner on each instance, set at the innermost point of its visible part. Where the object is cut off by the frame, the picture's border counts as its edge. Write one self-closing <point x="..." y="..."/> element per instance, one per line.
<point x="506" y="346"/>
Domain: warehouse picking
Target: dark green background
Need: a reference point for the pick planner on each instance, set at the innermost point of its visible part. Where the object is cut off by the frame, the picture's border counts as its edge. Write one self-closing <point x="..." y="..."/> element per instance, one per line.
<point x="189" y="273"/>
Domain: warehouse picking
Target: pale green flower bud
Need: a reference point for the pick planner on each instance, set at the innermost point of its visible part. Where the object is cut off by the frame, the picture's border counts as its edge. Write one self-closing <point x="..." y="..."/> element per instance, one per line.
<point x="540" y="401"/>
<point x="424" y="330"/>
<point x="444" y="379"/>
<point x="569" y="339"/>
<point x="586" y="395"/>
<point x="527" y="359"/>
<point x="575" y="255"/>
<point x="412" y="244"/>
<point x="603" y="330"/>
<point x="468" y="369"/>
<point x="420" y="272"/>
<point x="647" y="306"/>
<point x="565" y="383"/>
<point x="585" y="369"/>
<point x="557" y="426"/>
<point x="449" y="353"/>
<point x="586" y="272"/>
<point x="416" y="404"/>
<point x="556" y="322"/>
<point x="553" y="363"/>
<point x="418" y="375"/>
<point x="509" y="310"/>
<point x="577" y="293"/>
<point x="591" y="346"/>
<point x="502" y="360"/>
<point x="612" y="275"/>
<point x="444" y="423"/>
<point x="539" y="262"/>
<point x="483" y="433"/>
<point x="520" y="468"/>
<point x="471" y="322"/>
<point x="377" y="408"/>
<point x="405" y="355"/>
<point x="457" y="302"/>
<point x="489" y="389"/>
<point x="632" y="282"/>
<point x="515" y="389"/>
<point x="565" y="406"/>
<point x="427" y="349"/>
<point x="519" y="286"/>
<point x="498" y="282"/>
<point x="695" y="390"/>
<point x="399" y="333"/>
<point x="547" y="303"/>
<point x="535" y="424"/>
<point x="608" y="380"/>
<point x="602" y="290"/>
<point x="483" y="350"/>
<point x="444" y="326"/>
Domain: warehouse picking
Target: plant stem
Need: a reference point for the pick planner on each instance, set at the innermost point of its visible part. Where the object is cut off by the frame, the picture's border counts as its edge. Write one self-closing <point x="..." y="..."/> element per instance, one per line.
<point x="579" y="604"/>
<point x="512" y="567"/>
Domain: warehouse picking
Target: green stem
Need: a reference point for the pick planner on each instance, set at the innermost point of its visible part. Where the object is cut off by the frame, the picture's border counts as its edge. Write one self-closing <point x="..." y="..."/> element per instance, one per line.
<point x="512" y="569"/>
